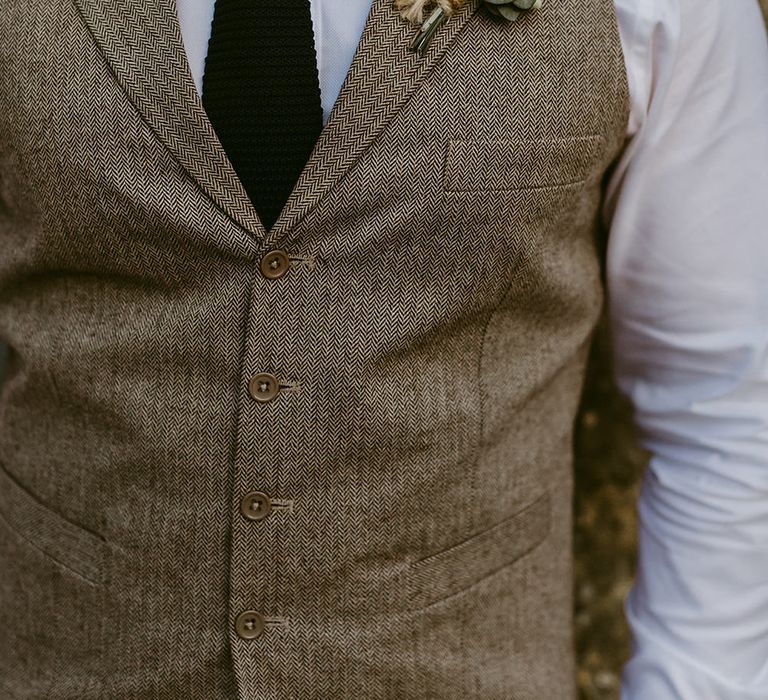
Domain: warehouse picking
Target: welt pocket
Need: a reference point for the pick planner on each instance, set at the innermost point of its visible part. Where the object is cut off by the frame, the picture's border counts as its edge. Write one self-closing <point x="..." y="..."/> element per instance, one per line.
<point x="519" y="164"/>
<point x="462" y="565"/>
<point x="59" y="539"/>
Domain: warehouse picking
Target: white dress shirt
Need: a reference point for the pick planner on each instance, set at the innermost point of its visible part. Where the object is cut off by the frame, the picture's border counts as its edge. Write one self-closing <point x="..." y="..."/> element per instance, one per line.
<point x="687" y="285"/>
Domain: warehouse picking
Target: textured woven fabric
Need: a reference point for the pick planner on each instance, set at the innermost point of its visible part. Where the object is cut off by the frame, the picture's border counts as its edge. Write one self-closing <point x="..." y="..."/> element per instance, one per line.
<point x="432" y="332"/>
<point x="261" y="92"/>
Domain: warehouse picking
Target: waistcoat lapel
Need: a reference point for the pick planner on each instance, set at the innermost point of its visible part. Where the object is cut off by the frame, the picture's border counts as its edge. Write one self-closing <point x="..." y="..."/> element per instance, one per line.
<point x="142" y="43"/>
<point x="382" y="76"/>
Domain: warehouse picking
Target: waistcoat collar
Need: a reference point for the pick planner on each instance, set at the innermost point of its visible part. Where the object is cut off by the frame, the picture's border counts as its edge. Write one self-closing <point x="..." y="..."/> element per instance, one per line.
<point x="143" y="45"/>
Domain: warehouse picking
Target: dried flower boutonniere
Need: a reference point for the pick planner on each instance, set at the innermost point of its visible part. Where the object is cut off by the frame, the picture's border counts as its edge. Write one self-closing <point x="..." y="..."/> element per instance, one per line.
<point x="414" y="10"/>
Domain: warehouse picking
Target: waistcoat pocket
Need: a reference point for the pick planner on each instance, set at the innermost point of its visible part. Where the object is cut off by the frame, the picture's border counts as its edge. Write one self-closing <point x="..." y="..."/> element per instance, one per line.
<point x="461" y="566"/>
<point x="516" y="164"/>
<point x="69" y="545"/>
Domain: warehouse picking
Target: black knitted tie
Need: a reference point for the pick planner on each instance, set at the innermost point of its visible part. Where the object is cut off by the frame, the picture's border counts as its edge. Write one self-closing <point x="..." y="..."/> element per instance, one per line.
<point x="262" y="94"/>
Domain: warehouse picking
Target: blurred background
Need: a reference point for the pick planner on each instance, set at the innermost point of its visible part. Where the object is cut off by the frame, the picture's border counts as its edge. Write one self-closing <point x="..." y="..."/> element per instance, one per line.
<point x="608" y="468"/>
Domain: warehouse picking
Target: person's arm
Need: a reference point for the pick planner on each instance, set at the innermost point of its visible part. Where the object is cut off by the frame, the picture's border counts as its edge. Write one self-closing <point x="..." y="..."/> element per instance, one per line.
<point x="687" y="287"/>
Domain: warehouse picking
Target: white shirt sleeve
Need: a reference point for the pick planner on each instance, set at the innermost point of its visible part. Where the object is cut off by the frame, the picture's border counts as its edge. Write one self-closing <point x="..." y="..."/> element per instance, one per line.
<point x="687" y="282"/>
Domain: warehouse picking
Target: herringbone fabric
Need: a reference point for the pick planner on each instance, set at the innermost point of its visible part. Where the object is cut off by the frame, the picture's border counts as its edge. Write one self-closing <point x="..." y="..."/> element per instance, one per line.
<point x="431" y="335"/>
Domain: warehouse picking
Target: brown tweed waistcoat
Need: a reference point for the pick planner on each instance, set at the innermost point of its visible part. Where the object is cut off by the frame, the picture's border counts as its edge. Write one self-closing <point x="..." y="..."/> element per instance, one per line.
<point x="428" y="338"/>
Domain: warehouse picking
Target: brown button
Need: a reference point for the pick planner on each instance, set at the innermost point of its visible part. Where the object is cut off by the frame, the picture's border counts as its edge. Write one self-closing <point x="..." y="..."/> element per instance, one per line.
<point x="275" y="264"/>
<point x="249" y="624"/>
<point x="255" y="505"/>
<point x="264" y="387"/>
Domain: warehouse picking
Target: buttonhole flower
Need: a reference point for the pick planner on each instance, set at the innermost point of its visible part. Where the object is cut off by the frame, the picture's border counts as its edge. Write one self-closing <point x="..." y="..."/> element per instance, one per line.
<point x="414" y="11"/>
